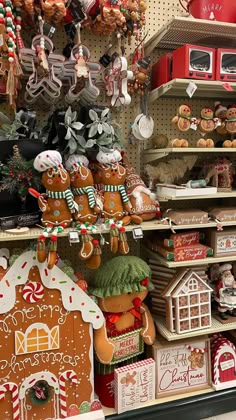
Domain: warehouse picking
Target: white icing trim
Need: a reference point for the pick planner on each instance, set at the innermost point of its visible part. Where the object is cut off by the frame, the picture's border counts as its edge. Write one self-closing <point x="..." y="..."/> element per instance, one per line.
<point x="73" y="297"/>
<point x="49" y="377"/>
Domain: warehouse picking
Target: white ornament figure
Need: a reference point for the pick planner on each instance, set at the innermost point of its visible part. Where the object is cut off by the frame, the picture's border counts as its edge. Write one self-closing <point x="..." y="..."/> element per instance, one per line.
<point x="226" y="292"/>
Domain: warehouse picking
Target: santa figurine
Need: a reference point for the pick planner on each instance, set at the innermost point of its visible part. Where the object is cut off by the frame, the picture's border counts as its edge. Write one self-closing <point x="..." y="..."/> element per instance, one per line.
<point x="225" y="292"/>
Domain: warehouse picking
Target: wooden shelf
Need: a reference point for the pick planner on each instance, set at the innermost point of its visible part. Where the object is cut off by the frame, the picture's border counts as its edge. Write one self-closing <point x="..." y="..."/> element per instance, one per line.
<point x="198" y="197"/>
<point x="171" y="264"/>
<point x="185" y="30"/>
<point x="176" y="88"/>
<point x="216" y="327"/>
<point x="153" y="154"/>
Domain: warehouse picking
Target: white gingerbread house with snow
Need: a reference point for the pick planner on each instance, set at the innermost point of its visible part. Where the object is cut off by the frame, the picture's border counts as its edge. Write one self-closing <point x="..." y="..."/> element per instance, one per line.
<point x="188" y="302"/>
<point x="46" y="345"/>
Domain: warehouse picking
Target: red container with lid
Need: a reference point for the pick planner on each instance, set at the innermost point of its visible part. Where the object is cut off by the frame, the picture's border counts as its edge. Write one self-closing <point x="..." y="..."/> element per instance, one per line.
<point x="221" y="10"/>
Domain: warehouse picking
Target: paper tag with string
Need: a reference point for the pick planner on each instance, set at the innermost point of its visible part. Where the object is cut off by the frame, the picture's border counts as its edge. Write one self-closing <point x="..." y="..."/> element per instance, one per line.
<point x="191" y="89"/>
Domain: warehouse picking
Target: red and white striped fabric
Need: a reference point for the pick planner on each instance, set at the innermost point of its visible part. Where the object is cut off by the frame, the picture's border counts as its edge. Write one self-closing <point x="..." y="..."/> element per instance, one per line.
<point x="13" y="388"/>
<point x="68" y="375"/>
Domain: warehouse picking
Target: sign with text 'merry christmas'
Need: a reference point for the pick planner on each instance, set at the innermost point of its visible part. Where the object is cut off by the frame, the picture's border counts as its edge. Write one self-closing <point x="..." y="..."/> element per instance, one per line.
<point x="134" y="385"/>
<point x="181" y="366"/>
<point x="127" y="345"/>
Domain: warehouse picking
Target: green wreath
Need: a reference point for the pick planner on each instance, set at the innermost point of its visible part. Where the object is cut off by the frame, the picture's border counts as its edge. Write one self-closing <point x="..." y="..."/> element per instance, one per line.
<point x="40" y="393"/>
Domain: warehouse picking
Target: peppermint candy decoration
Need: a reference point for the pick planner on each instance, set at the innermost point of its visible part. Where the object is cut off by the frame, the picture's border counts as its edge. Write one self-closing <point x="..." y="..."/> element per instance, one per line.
<point x="33" y="292"/>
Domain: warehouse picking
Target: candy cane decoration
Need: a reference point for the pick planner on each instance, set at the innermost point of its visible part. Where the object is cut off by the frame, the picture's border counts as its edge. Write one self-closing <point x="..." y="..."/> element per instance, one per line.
<point x="13" y="388"/>
<point x="65" y="376"/>
<point x="196" y="350"/>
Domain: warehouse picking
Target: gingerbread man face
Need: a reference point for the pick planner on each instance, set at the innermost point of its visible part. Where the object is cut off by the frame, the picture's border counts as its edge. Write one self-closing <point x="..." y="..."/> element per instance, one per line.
<point x="113" y="174"/>
<point x="231" y="120"/>
<point x="121" y="303"/>
<point x="56" y="179"/>
<point x="81" y="177"/>
<point x="185" y="111"/>
<point x="207" y="113"/>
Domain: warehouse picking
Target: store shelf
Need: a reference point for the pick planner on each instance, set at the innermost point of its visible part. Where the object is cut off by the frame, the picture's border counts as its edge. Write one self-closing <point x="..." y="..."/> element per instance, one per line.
<point x="185" y="30"/>
<point x="34" y="233"/>
<point x="109" y="411"/>
<point x="216" y="327"/>
<point x="192" y="407"/>
<point x="172" y="264"/>
<point x="153" y="154"/>
<point x="231" y="194"/>
<point x="176" y="88"/>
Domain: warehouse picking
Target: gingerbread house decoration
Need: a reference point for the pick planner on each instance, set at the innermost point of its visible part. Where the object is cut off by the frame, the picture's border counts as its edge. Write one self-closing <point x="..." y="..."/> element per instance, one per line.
<point x="46" y="342"/>
<point x="188" y="302"/>
<point x="223" y="354"/>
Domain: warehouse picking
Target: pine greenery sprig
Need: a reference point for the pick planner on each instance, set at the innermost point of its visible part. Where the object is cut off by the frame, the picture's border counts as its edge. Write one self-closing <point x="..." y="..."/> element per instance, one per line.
<point x="18" y="175"/>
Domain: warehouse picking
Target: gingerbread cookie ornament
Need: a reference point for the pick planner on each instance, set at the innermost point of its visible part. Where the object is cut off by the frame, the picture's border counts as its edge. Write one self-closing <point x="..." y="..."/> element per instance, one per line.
<point x="57" y="204"/>
<point x="231" y="119"/>
<point x="88" y="208"/>
<point x="182" y="121"/>
<point x="207" y="123"/>
<point x="121" y="285"/>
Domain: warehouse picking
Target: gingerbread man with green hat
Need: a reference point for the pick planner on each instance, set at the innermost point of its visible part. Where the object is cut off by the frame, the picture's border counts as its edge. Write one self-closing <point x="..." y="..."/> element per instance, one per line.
<point x="120" y="286"/>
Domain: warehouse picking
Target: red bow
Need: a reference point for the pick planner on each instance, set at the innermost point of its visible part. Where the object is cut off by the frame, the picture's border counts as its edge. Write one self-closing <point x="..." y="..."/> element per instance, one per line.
<point x="113" y="318"/>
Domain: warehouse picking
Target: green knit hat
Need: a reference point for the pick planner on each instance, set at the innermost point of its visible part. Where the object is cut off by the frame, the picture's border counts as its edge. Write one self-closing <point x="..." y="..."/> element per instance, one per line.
<point x="122" y="275"/>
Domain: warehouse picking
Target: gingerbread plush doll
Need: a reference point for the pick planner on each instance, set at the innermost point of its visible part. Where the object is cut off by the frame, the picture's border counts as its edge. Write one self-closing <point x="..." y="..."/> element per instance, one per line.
<point x="88" y="210"/>
<point x="57" y="204"/>
<point x="121" y="285"/>
<point x="116" y="206"/>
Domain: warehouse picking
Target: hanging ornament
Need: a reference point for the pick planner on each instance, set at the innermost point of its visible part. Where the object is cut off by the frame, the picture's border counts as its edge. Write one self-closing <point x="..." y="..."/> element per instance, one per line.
<point x="40" y="393"/>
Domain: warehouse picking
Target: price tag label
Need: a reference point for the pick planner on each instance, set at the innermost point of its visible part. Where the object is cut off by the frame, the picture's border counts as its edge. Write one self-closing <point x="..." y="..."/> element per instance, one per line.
<point x="73" y="237"/>
<point x="138" y="233"/>
<point x="191" y="89"/>
<point x="227" y="87"/>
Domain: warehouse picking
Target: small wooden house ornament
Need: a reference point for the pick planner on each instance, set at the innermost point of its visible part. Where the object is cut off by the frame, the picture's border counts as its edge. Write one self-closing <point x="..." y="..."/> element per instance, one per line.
<point x="188" y="303"/>
<point x="46" y="342"/>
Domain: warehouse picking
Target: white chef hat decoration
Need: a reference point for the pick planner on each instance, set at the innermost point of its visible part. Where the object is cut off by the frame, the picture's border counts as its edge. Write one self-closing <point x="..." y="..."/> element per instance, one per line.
<point x="74" y="161"/>
<point x="112" y="157"/>
<point x="47" y="159"/>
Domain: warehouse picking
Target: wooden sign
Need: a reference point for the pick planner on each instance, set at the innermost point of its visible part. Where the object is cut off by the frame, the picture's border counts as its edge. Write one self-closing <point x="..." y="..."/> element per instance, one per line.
<point x="181" y="366"/>
<point x="134" y="385"/>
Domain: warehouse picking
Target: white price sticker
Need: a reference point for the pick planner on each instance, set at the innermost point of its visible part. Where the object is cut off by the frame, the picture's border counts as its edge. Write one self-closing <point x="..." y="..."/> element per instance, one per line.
<point x="191" y="89"/>
<point x="73" y="237"/>
<point x="138" y="233"/>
